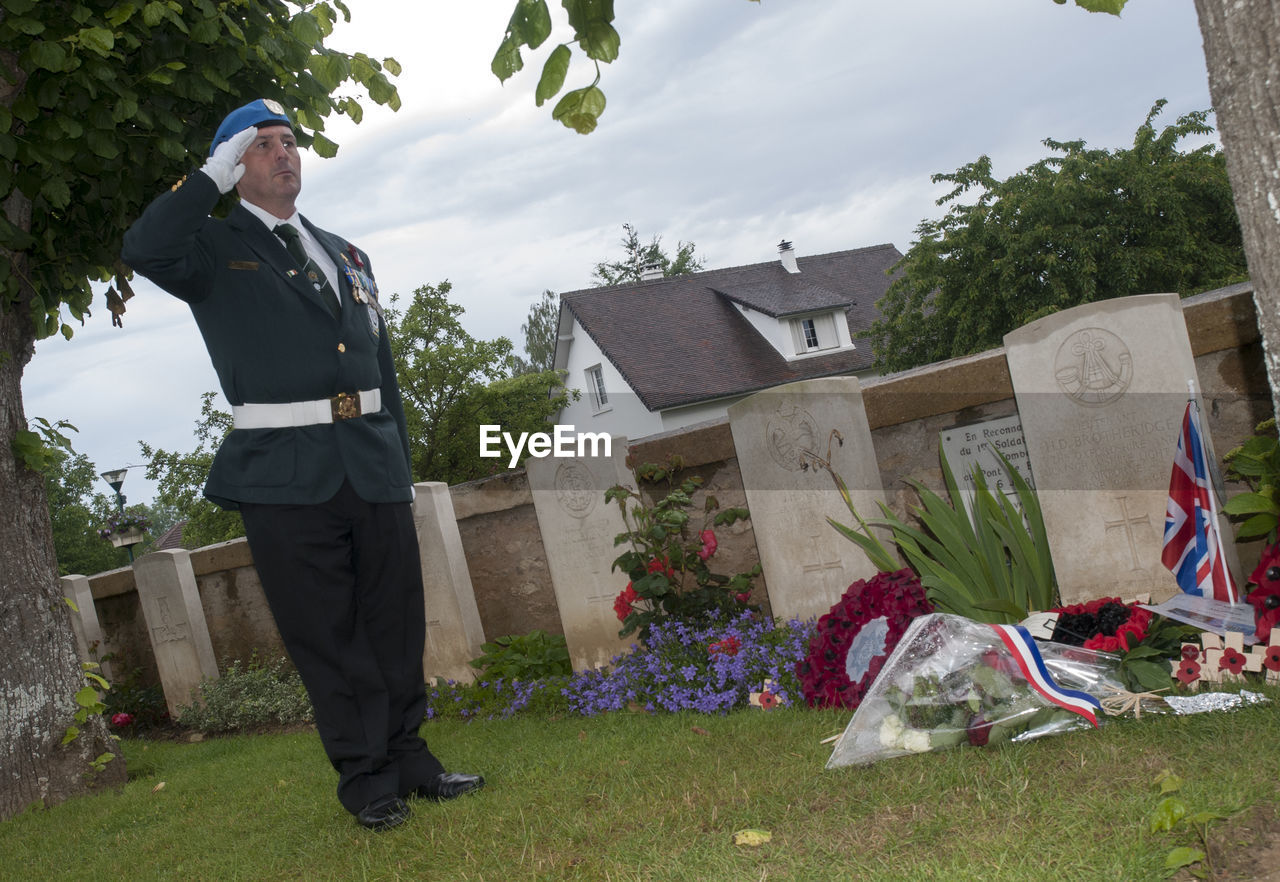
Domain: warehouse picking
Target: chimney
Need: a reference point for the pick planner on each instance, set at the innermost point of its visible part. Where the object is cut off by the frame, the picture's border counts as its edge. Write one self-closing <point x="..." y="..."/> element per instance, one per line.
<point x="651" y="270"/>
<point x="788" y="256"/>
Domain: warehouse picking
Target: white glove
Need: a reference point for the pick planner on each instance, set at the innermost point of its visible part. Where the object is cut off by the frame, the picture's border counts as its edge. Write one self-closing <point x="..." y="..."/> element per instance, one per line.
<point x="224" y="167"/>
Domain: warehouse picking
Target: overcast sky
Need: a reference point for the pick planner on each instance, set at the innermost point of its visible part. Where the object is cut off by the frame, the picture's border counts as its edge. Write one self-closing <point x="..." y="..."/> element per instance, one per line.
<point x="730" y="124"/>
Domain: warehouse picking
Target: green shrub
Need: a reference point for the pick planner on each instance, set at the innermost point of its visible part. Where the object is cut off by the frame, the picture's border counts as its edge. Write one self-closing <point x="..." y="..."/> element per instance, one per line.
<point x="531" y="656"/>
<point x="247" y="696"/>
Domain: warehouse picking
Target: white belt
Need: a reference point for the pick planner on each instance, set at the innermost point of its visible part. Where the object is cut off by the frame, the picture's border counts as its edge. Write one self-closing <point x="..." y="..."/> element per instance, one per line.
<point x="307" y="413"/>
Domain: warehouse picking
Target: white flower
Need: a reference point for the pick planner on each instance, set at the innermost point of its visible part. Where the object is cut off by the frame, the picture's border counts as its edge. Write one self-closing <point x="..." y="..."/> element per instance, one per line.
<point x="916" y="740"/>
<point x="891" y="730"/>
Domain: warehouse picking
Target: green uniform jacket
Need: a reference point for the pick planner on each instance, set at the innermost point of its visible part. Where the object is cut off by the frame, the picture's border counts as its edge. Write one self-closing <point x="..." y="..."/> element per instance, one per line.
<point x="273" y="339"/>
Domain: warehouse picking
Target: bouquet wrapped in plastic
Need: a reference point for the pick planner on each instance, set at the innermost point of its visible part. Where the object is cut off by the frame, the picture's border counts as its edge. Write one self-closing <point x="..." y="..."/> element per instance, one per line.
<point x="953" y="681"/>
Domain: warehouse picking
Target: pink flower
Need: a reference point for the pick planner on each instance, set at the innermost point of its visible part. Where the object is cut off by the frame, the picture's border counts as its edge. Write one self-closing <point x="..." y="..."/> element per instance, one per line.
<point x="122" y="720"/>
<point x="727" y="646"/>
<point x="744" y="597"/>
<point x="709" y="544"/>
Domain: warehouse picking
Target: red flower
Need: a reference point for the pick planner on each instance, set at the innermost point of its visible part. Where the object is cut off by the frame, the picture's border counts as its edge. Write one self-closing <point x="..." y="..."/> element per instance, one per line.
<point x="979" y="731"/>
<point x="1231" y="660"/>
<point x="122" y="719"/>
<point x="897" y="598"/>
<point x="662" y="566"/>
<point x="622" y="605"/>
<point x="1190" y="652"/>
<point x="709" y="544"/>
<point x="1271" y="661"/>
<point x="727" y="646"/>
<point x="744" y="597"/>
<point x="1188" y="671"/>
<point x="1265" y="597"/>
<point x="768" y="701"/>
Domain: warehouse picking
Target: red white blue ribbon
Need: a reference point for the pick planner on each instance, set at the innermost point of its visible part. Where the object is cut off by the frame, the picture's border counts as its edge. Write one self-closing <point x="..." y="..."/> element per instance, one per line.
<point x="1025" y="652"/>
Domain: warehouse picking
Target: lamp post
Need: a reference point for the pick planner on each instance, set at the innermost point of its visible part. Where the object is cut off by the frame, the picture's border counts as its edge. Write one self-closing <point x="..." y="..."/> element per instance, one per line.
<point x="115" y="479"/>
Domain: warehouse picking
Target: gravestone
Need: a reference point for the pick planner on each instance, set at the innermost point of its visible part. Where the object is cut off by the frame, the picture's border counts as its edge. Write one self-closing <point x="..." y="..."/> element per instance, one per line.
<point x="786" y="438"/>
<point x="578" y="528"/>
<point x="90" y="641"/>
<point x="454" y="632"/>
<point x="1101" y="390"/>
<point x="175" y="621"/>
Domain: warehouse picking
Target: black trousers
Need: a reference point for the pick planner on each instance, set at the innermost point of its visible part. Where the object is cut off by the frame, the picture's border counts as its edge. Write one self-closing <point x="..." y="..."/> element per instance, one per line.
<point x="344" y="583"/>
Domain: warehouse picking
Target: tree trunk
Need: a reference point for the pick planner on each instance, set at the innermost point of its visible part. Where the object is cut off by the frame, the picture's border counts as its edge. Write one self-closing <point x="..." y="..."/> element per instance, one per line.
<point x="1242" y="53"/>
<point x="39" y="668"/>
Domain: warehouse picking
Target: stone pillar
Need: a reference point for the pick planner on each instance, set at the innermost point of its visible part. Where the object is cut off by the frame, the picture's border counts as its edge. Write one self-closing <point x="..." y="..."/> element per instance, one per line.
<point x="90" y="641"/>
<point x="175" y="620"/>
<point x="454" y="632"/>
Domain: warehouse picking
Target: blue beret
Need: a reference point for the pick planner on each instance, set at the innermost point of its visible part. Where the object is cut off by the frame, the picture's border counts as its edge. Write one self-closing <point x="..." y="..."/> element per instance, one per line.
<point x="262" y="112"/>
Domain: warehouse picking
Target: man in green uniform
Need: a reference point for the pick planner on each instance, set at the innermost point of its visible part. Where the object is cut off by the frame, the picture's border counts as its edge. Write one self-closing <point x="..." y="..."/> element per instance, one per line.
<point x="318" y="460"/>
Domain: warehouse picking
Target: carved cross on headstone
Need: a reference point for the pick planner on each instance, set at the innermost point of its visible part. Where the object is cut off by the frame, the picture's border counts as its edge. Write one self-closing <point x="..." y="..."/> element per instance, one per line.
<point x="825" y="570"/>
<point x="1127" y="523"/>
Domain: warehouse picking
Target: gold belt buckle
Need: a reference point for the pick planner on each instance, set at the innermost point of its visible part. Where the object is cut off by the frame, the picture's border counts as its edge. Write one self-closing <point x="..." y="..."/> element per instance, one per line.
<point x="344" y="406"/>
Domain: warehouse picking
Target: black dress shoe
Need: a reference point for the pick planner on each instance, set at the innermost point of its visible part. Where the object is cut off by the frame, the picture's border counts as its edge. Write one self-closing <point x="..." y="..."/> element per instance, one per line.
<point x="448" y="785"/>
<point x="384" y="813"/>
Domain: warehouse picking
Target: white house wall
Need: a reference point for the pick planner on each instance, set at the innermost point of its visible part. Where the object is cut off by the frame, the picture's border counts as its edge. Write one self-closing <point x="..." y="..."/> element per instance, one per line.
<point x="625" y="414"/>
<point x="777" y="333"/>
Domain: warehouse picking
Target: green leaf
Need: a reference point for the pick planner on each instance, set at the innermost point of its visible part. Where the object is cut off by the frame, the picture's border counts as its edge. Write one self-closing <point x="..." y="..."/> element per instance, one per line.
<point x="323" y="146"/>
<point x="153" y="13"/>
<point x="87" y="697"/>
<point x="600" y="41"/>
<point x="99" y="40"/>
<point x="553" y="74"/>
<point x="28" y="26"/>
<point x="507" y="60"/>
<point x="1258" y="525"/>
<point x="70" y="735"/>
<point x="1167" y="814"/>
<point x="530" y="23"/>
<point x="580" y="109"/>
<point x="1109" y="6"/>
<point x="1182" y="856"/>
<point x="47" y="55"/>
<point x="1251" y="503"/>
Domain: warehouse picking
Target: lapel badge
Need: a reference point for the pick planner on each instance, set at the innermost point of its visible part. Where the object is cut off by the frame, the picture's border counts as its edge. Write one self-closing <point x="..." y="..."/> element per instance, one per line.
<point x="290" y="273"/>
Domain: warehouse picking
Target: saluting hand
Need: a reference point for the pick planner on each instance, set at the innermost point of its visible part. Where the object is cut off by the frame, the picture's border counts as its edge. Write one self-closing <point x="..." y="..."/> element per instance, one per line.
<point x="224" y="167"/>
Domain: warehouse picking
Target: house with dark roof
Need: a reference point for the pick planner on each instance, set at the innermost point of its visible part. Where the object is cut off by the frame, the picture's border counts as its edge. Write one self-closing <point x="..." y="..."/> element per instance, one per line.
<point x="664" y="353"/>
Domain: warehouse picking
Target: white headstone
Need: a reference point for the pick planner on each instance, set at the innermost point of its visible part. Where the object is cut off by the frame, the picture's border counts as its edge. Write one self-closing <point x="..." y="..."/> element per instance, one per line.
<point x="90" y="641"/>
<point x="454" y="632"/>
<point x="578" y="529"/>
<point x="782" y="436"/>
<point x="175" y="620"/>
<point x="1101" y="391"/>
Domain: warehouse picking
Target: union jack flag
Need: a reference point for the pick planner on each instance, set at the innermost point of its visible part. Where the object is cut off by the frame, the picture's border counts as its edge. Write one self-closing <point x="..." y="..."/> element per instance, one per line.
<point x="1192" y="544"/>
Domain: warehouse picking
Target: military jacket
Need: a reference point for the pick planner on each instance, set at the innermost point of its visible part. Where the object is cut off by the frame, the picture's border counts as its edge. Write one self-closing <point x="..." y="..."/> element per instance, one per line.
<point x="273" y="338"/>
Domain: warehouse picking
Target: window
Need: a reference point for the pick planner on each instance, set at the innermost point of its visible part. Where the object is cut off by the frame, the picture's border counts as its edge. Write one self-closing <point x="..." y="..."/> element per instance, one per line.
<point x="810" y="334"/>
<point x="814" y="333"/>
<point x="595" y="387"/>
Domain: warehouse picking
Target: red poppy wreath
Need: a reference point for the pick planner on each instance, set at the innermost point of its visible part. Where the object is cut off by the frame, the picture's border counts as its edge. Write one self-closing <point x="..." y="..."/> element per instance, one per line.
<point x="854" y="640"/>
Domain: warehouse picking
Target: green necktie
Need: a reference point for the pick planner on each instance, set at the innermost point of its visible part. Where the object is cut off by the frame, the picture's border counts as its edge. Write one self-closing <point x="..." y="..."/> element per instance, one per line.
<point x="293" y="242"/>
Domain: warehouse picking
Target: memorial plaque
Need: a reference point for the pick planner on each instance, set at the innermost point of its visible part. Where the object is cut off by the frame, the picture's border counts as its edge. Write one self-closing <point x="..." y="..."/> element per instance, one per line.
<point x="455" y="635"/>
<point x="1101" y="389"/>
<point x="968" y="446"/>
<point x="789" y="439"/>
<point x="578" y="528"/>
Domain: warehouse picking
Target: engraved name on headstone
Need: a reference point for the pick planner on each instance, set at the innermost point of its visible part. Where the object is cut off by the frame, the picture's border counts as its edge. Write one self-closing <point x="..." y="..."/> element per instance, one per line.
<point x="175" y="620"/>
<point x="968" y="446"/>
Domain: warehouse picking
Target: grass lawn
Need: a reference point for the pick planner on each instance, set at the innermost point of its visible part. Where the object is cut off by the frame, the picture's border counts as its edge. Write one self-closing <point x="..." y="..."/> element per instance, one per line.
<point x="632" y="796"/>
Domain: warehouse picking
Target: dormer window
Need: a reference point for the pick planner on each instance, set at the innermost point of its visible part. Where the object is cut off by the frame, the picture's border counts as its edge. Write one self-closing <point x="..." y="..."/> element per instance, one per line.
<point x="814" y="333"/>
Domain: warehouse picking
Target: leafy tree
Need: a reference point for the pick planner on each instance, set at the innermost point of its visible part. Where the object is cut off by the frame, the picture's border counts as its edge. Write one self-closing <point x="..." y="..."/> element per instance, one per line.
<point x="639" y="257"/>
<point x="76" y="513"/>
<point x="101" y="105"/>
<point x="1086" y="225"/>
<point x="540" y="331"/>
<point x="452" y="384"/>
<point x="180" y="480"/>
